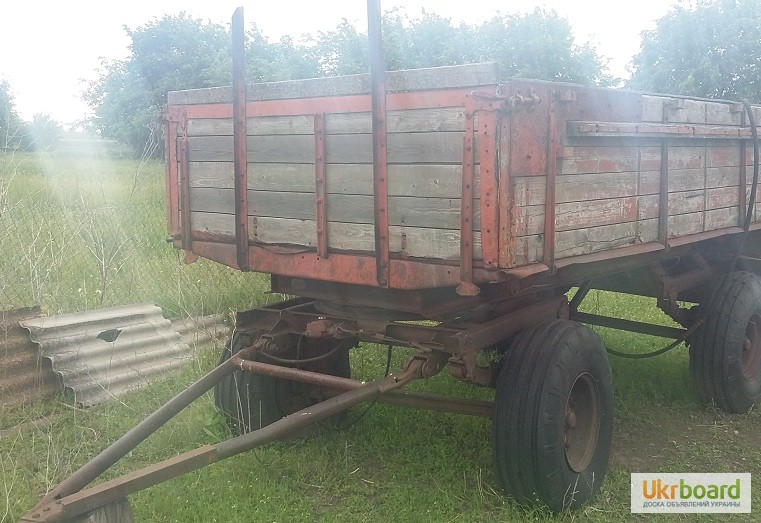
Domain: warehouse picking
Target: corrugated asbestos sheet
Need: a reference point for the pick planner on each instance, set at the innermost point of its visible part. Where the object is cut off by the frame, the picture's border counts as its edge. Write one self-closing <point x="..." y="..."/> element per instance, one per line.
<point x="104" y="353"/>
<point x="24" y="376"/>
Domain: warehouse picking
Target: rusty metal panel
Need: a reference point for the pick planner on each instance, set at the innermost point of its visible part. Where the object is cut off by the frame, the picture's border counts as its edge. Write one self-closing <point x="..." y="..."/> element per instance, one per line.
<point x="107" y="352"/>
<point x="24" y="376"/>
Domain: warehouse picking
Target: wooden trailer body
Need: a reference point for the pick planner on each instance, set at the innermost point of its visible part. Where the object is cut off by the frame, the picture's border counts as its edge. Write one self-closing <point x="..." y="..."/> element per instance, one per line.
<point x="561" y="175"/>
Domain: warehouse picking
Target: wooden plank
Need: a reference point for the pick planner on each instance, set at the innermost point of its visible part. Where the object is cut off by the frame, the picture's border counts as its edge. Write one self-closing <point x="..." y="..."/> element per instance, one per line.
<point x="652" y="108"/>
<point x="408" y="241"/>
<point x="603" y="238"/>
<point x="594" y="159"/>
<point x="403" y="148"/>
<point x="721" y="218"/>
<point x="684" y="224"/>
<point x="427" y="180"/>
<point x="528" y="249"/>
<point x="529" y="190"/>
<point x="722" y="177"/>
<point x="448" y="77"/>
<point x="596" y="186"/>
<point x="718" y="113"/>
<point x="686" y="158"/>
<point x="258" y="126"/>
<point x="529" y="220"/>
<point x="686" y="202"/>
<point x="409" y="120"/>
<point x="215" y="223"/>
<point x="682" y="131"/>
<point x="437" y="213"/>
<point x="727" y="155"/>
<point x="269" y="149"/>
<point x="588" y="214"/>
<point x="721" y="197"/>
<point x="686" y="179"/>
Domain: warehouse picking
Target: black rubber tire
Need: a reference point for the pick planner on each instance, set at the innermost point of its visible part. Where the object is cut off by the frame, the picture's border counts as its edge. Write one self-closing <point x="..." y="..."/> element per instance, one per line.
<point x="251" y="401"/>
<point x="541" y="369"/>
<point x="725" y="352"/>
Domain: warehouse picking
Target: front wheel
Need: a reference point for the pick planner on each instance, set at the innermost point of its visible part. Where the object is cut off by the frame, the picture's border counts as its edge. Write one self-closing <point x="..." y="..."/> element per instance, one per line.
<point x="553" y="416"/>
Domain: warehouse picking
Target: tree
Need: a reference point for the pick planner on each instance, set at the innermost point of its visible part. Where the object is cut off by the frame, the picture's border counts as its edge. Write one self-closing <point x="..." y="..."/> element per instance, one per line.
<point x="539" y="45"/>
<point x="44" y="132"/>
<point x="180" y="52"/>
<point x="175" y="52"/>
<point x="13" y="132"/>
<point x="711" y="50"/>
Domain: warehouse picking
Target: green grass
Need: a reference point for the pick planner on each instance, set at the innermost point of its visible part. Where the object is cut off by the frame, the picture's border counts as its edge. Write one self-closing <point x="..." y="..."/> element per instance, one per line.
<point x="88" y="229"/>
<point x="394" y="463"/>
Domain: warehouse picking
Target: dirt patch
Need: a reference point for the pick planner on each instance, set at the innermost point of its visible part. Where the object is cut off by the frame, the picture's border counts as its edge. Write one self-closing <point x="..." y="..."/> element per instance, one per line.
<point x="685" y="439"/>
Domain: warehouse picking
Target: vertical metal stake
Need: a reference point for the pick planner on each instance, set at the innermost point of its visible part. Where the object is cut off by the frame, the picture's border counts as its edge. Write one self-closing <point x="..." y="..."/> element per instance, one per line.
<point x="240" y="147"/>
<point x="380" y="151"/>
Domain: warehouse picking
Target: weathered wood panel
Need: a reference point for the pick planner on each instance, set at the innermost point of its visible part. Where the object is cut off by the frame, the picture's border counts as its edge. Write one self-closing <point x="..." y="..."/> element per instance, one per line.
<point x="403" y="148"/>
<point x="438" y="213"/>
<point x="449" y="77"/>
<point x="409" y="120"/>
<point x="426" y="180"/>
<point x="408" y="241"/>
<point x="607" y="237"/>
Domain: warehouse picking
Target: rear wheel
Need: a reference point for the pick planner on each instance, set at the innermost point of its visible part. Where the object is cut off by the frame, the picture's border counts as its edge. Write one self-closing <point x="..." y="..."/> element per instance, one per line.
<point x="553" y="416"/>
<point x="725" y="353"/>
<point x="251" y="401"/>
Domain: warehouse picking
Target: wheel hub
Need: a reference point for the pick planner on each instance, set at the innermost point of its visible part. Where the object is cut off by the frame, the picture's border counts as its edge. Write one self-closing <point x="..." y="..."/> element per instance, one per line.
<point x="751" y="354"/>
<point x="582" y="422"/>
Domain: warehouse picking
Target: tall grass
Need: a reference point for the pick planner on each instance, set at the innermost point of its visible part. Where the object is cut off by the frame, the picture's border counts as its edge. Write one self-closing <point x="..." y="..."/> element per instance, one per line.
<point x="85" y="229"/>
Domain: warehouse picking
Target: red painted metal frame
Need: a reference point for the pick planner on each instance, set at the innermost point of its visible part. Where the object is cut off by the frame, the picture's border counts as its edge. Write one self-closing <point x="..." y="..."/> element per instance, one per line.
<point x="466" y="211"/>
<point x="742" y="186"/>
<point x="663" y="199"/>
<point x="551" y="177"/>
<point x="172" y="119"/>
<point x="319" y="185"/>
<point x="346" y="268"/>
<point x="184" y="196"/>
<point x="380" y="149"/>
<point x="240" y="147"/>
<point x="487" y="144"/>
<point x="506" y="196"/>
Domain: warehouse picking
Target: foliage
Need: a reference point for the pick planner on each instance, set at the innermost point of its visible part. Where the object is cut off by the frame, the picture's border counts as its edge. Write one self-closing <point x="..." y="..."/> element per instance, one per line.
<point x="44" y="132"/>
<point x="539" y="45"/>
<point x="180" y="52"/>
<point x="13" y="132"/>
<point x="711" y="50"/>
<point x="175" y="52"/>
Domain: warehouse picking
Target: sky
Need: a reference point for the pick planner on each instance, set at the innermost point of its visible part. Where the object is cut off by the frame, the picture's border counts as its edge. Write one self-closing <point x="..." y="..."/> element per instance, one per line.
<point x="50" y="49"/>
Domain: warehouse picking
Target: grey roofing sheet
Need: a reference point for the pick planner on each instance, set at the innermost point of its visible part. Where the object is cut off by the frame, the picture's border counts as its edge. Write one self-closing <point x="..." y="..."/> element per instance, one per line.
<point x="93" y="369"/>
